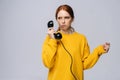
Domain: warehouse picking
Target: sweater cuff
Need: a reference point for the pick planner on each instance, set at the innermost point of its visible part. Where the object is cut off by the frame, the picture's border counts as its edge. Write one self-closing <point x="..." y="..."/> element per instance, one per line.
<point x="101" y="50"/>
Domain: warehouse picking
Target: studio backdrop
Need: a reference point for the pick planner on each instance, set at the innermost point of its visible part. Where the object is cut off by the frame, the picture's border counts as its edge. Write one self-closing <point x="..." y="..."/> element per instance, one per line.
<point x="23" y="27"/>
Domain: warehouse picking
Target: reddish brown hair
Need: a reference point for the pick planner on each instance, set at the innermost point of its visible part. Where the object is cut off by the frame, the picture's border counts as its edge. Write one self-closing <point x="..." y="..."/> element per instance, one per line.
<point x="66" y="8"/>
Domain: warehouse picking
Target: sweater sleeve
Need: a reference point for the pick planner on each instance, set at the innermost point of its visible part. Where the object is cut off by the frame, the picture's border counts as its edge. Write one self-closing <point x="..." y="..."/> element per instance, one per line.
<point x="89" y="60"/>
<point x="49" y="51"/>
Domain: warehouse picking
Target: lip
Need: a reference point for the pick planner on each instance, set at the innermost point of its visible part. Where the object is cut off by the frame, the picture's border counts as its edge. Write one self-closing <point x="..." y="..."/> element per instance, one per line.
<point x="63" y="25"/>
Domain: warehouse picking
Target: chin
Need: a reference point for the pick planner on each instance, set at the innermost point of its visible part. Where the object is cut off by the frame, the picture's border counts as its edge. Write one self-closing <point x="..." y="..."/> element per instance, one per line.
<point x="63" y="29"/>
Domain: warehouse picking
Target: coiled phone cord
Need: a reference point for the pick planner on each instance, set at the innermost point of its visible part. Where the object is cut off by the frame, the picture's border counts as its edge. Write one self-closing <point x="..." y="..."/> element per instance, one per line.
<point x="71" y="60"/>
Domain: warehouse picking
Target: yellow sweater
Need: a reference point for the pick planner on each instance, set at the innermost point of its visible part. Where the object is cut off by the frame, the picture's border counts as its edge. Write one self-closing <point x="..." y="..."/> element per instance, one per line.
<point x="58" y="61"/>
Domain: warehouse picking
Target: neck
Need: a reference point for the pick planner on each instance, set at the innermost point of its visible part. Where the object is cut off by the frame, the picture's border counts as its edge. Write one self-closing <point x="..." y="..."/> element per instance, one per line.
<point x="68" y="31"/>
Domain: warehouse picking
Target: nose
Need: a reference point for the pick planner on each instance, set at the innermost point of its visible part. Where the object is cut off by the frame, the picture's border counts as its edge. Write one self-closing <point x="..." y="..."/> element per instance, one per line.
<point x="63" y="20"/>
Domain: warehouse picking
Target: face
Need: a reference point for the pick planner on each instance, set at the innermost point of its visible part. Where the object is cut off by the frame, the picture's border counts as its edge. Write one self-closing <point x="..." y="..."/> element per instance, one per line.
<point x="64" y="20"/>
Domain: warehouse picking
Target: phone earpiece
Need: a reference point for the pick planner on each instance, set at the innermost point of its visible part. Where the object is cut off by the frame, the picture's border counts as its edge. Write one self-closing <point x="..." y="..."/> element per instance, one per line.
<point x="50" y="24"/>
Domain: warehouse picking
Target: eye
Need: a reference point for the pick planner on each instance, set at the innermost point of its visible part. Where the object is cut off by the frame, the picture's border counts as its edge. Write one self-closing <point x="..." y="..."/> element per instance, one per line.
<point x="67" y="17"/>
<point x="59" y="18"/>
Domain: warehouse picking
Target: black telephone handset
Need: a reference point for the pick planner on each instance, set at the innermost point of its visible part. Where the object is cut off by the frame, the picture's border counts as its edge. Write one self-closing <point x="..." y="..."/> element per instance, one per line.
<point x="57" y="35"/>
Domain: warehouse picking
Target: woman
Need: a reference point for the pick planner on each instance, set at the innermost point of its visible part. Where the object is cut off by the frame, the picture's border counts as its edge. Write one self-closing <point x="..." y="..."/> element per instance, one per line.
<point x="67" y="58"/>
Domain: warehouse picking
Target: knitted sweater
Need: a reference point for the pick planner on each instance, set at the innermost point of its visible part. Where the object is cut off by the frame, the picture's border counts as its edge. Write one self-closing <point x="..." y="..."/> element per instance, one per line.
<point x="67" y="61"/>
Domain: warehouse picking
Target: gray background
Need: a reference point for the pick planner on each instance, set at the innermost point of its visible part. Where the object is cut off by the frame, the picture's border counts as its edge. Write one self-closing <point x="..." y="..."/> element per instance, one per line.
<point x="23" y="27"/>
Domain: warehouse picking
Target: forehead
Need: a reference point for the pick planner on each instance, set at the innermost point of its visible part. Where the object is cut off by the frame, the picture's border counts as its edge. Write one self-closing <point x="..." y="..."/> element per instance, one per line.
<point x="63" y="13"/>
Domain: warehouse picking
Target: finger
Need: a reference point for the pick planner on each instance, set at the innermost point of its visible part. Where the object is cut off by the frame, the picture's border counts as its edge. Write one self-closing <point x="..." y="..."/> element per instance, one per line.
<point x="107" y="48"/>
<point x="49" y="29"/>
<point x="107" y="43"/>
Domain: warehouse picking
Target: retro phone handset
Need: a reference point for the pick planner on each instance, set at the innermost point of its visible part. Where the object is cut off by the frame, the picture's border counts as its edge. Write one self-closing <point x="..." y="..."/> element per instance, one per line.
<point x="58" y="36"/>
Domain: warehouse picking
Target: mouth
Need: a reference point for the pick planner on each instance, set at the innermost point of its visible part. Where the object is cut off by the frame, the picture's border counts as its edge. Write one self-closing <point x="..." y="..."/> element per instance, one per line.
<point x="63" y="26"/>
